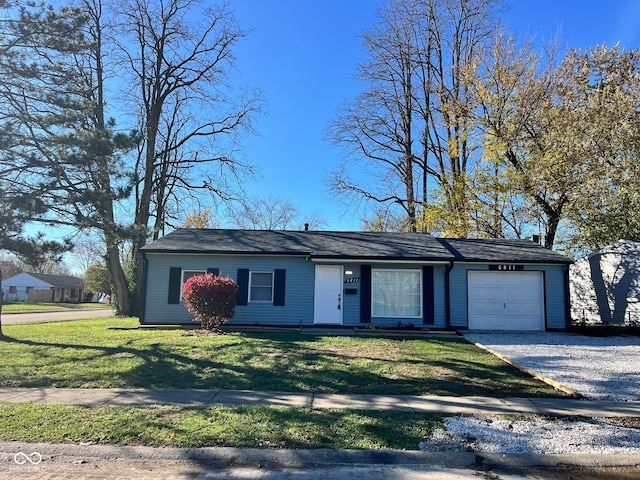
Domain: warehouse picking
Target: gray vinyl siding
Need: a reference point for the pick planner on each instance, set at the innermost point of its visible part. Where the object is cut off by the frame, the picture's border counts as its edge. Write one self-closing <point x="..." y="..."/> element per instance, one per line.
<point x="298" y="309"/>
<point x="440" y="296"/>
<point x="300" y="281"/>
<point x="555" y="294"/>
<point x="555" y="297"/>
<point x="351" y="303"/>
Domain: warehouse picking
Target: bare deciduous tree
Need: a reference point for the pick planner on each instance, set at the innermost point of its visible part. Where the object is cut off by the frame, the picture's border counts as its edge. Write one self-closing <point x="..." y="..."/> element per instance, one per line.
<point x="272" y="213"/>
<point x="377" y="129"/>
<point x="69" y="163"/>
<point x="180" y="53"/>
<point x="411" y="127"/>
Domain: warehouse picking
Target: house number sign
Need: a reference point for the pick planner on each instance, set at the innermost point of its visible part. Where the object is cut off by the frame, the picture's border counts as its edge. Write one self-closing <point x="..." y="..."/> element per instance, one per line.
<point x="352" y="280"/>
<point x="507" y="267"/>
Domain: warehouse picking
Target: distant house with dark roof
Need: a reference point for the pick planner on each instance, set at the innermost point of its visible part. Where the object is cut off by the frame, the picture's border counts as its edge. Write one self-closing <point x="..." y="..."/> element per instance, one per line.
<point x="40" y="287"/>
<point x="357" y="279"/>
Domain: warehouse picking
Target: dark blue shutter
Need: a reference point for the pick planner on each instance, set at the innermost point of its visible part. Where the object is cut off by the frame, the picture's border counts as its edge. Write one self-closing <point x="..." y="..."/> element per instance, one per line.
<point x="215" y="271"/>
<point x="279" y="281"/>
<point x="428" y="304"/>
<point x="243" y="286"/>
<point x="365" y="293"/>
<point x="175" y="277"/>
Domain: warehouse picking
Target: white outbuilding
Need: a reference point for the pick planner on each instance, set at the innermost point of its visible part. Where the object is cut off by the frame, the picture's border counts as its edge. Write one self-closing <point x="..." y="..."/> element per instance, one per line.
<point x="605" y="286"/>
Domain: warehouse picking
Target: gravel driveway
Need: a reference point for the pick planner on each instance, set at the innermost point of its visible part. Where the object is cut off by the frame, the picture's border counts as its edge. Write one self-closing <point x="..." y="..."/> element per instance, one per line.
<point x="598" y="368"/>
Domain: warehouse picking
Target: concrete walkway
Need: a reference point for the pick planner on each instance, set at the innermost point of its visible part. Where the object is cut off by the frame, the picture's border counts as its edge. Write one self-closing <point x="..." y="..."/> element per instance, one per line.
<point x="407" y="403"/>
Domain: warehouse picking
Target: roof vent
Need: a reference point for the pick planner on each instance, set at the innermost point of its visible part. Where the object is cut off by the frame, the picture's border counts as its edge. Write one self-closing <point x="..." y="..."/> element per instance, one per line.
<point x="306" y="227"/>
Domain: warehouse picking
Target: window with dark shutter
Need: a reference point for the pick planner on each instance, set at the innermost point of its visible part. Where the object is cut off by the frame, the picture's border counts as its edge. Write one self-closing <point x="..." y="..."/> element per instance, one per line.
<point x="177" y="277"/>
<point x="261" y="287"/>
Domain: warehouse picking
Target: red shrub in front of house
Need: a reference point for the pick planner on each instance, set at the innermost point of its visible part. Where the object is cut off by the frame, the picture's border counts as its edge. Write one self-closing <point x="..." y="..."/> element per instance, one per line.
<point x="210" y="299"/>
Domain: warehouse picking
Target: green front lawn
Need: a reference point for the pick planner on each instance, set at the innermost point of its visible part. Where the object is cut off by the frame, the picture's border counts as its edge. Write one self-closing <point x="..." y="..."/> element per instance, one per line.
<point x="111" y="352"/>
<point x="217" y="426"/>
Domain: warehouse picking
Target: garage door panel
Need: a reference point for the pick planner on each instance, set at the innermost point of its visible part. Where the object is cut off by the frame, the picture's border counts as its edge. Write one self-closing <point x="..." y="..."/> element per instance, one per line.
<point x="506" y="300"/>
<point x="494" y="293"/>
<point x="513" y="291"/>
<point x="494" y="308"/>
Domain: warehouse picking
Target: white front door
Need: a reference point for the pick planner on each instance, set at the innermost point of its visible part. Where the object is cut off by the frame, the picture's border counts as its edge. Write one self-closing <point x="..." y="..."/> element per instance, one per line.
<point x="327" y="304"/>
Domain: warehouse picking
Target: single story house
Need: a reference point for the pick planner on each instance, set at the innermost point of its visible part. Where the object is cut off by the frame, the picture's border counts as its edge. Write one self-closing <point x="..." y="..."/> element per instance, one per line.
<point x="357" y="279"/>
<point x="40" y="287"/>
<point x="605" y="286"/>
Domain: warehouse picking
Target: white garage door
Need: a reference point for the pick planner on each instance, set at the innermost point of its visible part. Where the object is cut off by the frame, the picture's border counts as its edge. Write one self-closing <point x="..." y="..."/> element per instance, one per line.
<point x="506" y="300"/>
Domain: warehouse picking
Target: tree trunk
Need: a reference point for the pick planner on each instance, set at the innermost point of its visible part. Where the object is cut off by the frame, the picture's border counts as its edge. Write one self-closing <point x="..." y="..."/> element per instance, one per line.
<point x="411" y="197"/>
<point x="553" y="221"/>
<point x="103" y="177"/>
<point x="118" y="278"/>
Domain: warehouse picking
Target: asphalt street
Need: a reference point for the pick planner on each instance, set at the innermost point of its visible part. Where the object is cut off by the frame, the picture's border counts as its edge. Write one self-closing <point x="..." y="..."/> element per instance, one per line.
<point x="93" y="462"/>
<point x="16" y="318"/>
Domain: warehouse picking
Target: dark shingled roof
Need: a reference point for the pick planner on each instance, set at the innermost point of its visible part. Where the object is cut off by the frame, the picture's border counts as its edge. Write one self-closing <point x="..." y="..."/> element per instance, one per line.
<point x="361" y="245"/>
<point x="501" y="250"/>
<point x="312" y="243"/>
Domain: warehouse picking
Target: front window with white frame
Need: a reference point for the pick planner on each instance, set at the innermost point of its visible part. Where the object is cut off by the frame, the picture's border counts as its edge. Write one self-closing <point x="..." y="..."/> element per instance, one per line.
<point x="396" y="293"/>
<point x="186" y="275"/>
<point x="261" y="287"/>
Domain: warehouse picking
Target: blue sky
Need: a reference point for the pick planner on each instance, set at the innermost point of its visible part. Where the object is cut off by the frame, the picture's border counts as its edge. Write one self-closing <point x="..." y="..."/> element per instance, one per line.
<point x="304" y="54"/>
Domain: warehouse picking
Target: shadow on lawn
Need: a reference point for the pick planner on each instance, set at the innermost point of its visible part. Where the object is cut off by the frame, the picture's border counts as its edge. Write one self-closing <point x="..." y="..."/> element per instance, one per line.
<point x="304" y="428"/>
<point x="283" y="362"/>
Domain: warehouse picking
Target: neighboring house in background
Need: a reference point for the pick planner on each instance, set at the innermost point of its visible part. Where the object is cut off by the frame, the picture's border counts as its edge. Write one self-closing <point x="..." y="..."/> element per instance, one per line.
<point x="39" y="287"/>
<point x="605" y="286"/>
<point x="357" y="279"/>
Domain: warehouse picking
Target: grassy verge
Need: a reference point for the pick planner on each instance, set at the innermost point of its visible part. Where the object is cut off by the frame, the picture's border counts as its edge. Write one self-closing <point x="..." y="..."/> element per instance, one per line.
<point x="42" y="307"/>
<point x="250" y="426"/>
<point x="111" y="352"/>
